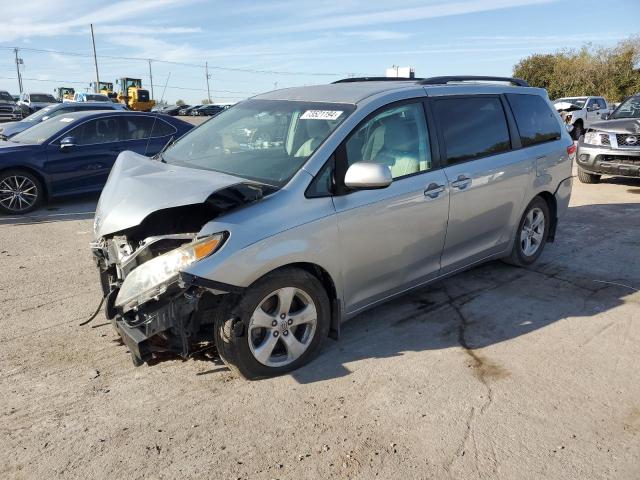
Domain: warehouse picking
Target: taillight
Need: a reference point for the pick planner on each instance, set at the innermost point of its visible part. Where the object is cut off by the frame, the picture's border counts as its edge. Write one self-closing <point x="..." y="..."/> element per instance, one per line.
<point x="571" y="149"/>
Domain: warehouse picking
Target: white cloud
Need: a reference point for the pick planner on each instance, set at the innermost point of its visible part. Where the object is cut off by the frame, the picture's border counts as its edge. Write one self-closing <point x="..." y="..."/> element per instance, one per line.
<point x="400" y="15"/>
<point x="145" y="30"/>
<point x="376" y="35"/>
<point x="74" y="16"/>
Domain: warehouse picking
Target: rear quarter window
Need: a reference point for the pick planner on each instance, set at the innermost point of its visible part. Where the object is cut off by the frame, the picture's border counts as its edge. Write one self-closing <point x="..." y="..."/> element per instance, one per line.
<point x="535" y="120"/>
<point x="472" y="127"/>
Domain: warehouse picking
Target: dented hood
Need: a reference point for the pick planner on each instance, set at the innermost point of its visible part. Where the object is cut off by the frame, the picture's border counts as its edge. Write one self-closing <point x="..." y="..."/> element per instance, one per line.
<point x="566" y="106"/>
<point x="620" y="125"/>
<point x="138" y="186"/>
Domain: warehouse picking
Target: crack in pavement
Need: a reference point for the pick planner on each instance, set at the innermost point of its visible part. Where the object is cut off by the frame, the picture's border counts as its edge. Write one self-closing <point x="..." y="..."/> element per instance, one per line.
<point x="483" y="370"/>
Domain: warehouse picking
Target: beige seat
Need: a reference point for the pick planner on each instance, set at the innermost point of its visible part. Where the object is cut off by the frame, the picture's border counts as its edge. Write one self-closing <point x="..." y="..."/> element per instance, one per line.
<point x="317" y="131"/>
<point x="400" y="148"/>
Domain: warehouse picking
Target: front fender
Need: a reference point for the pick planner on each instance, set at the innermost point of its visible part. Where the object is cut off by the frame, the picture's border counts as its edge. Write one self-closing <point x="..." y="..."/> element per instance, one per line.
<point x="311" y="243"/>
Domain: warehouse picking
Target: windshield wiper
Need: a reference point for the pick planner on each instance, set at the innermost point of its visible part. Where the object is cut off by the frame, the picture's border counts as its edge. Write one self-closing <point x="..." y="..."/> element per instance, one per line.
<point x="158" y="156"/>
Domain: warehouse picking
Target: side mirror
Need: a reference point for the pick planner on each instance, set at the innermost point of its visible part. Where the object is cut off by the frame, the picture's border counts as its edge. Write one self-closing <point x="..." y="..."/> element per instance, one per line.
<point x="604" y="116"/>
<point x="368" y="176"/>
<point x="67" y="142"/>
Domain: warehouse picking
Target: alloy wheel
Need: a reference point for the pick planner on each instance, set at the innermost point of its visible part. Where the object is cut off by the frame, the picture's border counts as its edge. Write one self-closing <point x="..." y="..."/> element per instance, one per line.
<point x="282" y="327"/>
<point x="18" y="193"/>
<point x="532" y="233"/>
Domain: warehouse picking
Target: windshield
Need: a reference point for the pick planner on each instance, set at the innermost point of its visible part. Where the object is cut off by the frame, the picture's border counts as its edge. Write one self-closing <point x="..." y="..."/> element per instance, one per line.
<point x="263" y="140"/>
<point x="39" y="133"/>
<point x="41" y="97"/>
<point x="579" y="101"/>
<point x="6" y="97"/>
<point x="630" y="108"/>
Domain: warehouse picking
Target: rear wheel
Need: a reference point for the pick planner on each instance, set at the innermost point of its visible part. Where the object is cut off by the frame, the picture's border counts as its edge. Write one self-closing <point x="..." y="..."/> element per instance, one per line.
<point x="20" y="192"/>
<point x="532" y="234"/>
<point x="586" y="177"/>
<point x="278" y="325"/>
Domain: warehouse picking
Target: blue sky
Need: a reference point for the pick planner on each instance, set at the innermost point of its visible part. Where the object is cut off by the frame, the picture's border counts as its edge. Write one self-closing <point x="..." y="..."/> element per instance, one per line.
<point x="310" y="42"/>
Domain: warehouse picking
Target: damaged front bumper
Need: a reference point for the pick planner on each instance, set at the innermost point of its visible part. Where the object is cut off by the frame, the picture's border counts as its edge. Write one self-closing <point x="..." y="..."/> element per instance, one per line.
<point x="177" y="320"/>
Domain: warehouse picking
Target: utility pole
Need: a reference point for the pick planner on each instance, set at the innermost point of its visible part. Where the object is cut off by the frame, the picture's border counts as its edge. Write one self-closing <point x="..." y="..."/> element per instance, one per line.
<point x="95" y="60"/>
<point x="206" y="70"/>
<point x="151" y="79"/>
<point x="18" y="62"/>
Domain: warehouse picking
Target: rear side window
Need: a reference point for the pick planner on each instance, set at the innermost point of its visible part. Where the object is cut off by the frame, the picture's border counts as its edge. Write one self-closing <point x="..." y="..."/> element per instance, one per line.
<point x="472" y="127"/>
<point x="536" y="122"/>
<point x="100" y="130"/>
<point x="137" y="128"/>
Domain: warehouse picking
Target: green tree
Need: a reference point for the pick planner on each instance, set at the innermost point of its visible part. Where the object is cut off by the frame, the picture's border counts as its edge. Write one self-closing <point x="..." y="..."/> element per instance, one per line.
<point x="180" y="103"/>
<point x="611" y="72"/>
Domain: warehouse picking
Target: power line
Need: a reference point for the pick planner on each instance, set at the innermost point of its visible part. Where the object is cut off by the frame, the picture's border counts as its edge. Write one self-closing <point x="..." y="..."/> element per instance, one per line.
<point x="185" y="64"/>
<point x="175" y="87"/>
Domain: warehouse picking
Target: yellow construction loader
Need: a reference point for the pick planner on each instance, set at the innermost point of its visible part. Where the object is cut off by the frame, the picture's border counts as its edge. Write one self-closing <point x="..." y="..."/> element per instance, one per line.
<point x="106" y="88"/>
<point x="133" y="95"/>
<point x="64" y="93"/>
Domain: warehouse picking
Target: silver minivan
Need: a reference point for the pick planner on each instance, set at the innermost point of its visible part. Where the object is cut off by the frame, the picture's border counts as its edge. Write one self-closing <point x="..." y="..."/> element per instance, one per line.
<point x="265" y="228"/>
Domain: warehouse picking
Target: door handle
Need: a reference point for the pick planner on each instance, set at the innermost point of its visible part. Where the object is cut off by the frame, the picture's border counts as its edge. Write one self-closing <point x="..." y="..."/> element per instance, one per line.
<point x="461" y="182"/>
<point x="433" y="190"/>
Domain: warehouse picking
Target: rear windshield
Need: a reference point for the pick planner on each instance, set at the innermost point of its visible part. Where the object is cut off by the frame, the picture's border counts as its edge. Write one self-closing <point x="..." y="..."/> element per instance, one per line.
<point x="42" y="131"/>
<point x="96" y="98"/>
<point x="41" y="97"/>
<point x="263" y="140"/>
<point x="37" y="116"/>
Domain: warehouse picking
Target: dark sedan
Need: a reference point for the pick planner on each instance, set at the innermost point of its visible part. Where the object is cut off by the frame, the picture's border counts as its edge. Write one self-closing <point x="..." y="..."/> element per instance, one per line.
<point x="73" y="154"/>
<point x="208" y="110"/>
<point x="10" y="129"/>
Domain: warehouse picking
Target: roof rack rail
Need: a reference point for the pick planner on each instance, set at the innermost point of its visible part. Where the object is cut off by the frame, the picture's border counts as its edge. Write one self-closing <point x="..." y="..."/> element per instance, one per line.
<point x="377" y="79"/>
<point x="518" y="82"/>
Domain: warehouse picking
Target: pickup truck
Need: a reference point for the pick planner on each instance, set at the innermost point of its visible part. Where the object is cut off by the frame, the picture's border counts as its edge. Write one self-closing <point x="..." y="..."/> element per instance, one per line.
<point x="581" y="112"/>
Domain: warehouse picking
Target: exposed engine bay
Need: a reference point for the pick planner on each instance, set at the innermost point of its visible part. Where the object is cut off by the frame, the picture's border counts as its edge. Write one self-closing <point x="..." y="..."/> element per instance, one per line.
<point x="153" y="305"/>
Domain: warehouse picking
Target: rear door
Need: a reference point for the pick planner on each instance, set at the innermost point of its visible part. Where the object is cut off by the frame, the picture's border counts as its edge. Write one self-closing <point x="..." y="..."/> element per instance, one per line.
<point x="487" y="177"/>
<point x="391" y="239"/>
<point x="84" y="166"/>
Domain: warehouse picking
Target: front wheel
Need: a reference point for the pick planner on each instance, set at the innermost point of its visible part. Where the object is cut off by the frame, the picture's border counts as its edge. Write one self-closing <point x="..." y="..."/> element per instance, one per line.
<point x="532" y="234"/>
<point x="586" y="177"/>
<point x="577" y="131"/>
<point x="20" y="192"/>
<point x="278" y="325"/>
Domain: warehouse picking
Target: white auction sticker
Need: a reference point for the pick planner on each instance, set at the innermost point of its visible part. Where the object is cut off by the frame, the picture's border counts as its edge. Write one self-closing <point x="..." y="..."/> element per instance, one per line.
<point x="321" y="115"/>
<point x="66" y="120"/>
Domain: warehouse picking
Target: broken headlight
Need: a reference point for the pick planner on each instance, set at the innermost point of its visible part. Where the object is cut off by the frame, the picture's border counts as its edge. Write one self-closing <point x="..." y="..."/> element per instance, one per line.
<point x="153" y="277"/>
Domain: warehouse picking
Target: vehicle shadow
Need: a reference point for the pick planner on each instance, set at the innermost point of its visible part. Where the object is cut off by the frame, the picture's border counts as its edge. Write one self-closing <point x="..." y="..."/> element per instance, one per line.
<point x="634" y="183"/>
<point x="81" y="207"/>
<point x="496" y="302"/>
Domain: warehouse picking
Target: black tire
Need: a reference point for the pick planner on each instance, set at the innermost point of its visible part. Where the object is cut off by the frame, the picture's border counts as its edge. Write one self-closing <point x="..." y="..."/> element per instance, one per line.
<point x="232" y="331"/>
<point x="577" y="131"/>
<point x="13" y="206"/>
<point x="518" y="256"/>
<point x="586" y="177"/>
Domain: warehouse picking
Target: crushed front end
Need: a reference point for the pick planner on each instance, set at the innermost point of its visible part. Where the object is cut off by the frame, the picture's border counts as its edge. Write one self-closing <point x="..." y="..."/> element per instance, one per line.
<point x="154" y="307"/>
